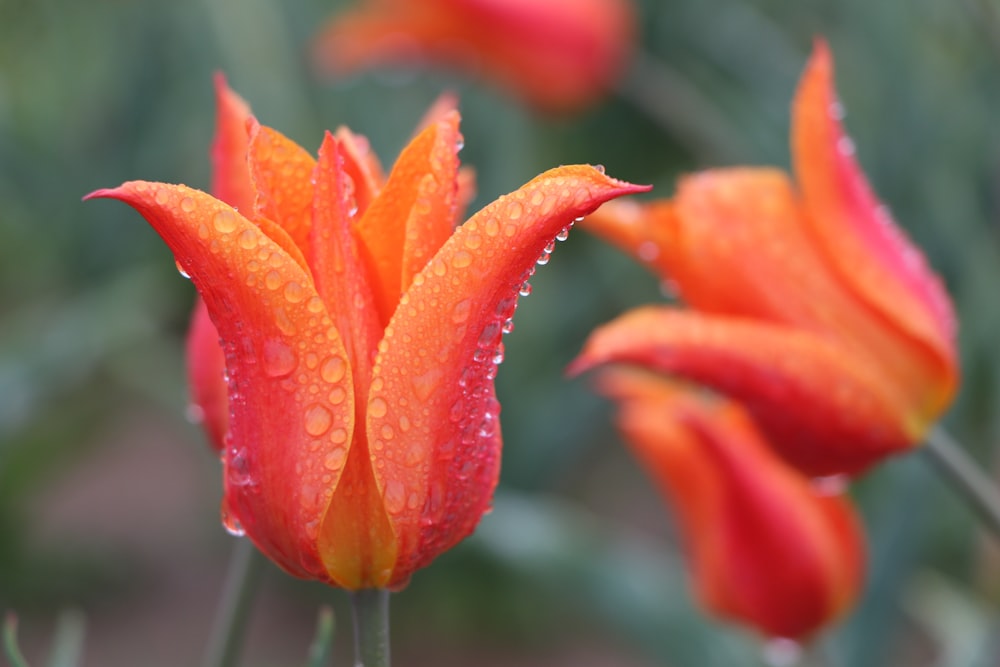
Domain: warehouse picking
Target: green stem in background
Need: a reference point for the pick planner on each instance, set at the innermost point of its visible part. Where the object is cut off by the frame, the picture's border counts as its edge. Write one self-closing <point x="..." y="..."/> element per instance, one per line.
<point x="10" y="647"/>
<point x="955" y="466"/>
<point x="371" y="627"/>
<point x="229" y="627"/>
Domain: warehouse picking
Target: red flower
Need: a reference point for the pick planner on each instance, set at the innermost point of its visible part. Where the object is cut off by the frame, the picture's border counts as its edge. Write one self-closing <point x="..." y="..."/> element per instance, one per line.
<point x="558" y="55"/>
<point x="766" y="547"/>
<point x="807" y="303"/>
<point x="361" y="332"/>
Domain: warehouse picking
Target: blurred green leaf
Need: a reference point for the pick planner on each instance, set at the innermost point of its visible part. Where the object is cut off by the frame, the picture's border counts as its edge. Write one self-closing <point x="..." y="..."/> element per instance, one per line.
<point x="321" y="649"/>
<point x="11" y="649"/>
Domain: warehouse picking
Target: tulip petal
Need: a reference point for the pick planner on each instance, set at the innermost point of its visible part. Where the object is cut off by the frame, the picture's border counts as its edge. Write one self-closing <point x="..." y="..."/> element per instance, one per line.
<point x="281" y="170"/>
<point x="862" y="243"/>
<point x="557" y="54"/>
<point x="432" y="412"/>
<point x="766" y="547"/>
<point x="290" y="393"/>
<point x="206" y="366"/>
<point x="642" y="230"/>
<point x="824" y="411"/>
<point x="362" y="165"/>
<point x="414" y="213"/>
<point x="230" y="172"/>
<point x="336" y="262"/>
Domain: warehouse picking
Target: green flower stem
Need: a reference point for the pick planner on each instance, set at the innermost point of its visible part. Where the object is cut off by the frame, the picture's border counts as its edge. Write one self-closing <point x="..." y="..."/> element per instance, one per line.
<point x="371" y="627"/>
<point x="228" y="629"/>
<point x="11" y="649"/>
<point x="955" y="466"/>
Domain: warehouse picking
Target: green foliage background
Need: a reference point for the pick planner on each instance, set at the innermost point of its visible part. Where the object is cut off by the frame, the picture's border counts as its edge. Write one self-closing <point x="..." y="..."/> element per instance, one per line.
<point x="108" y="498"/>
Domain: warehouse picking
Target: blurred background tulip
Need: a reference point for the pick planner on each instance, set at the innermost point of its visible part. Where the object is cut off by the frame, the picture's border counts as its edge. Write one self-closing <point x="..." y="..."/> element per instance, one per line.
<point x="109" y="497"/>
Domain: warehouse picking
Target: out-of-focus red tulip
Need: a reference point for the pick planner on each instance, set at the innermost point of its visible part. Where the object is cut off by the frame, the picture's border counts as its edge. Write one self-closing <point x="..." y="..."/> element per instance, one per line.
<point x="558" y="55"/>
<point x="807" y="304"/>
<point x="361" y="332"/>
<point x="765" y="546"/>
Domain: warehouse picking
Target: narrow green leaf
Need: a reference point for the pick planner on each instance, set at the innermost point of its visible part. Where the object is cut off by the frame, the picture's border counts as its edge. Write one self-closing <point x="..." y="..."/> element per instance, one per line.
<point x="10" y="647"/>
<point x="322" y="644"/>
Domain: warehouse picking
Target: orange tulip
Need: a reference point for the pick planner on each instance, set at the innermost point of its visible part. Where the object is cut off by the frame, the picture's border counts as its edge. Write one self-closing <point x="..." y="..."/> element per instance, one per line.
<point x="361" y="332"/>
<point x="765" y="546"/>
<point x="558" y="55"/>
<point x="807" y="303"/>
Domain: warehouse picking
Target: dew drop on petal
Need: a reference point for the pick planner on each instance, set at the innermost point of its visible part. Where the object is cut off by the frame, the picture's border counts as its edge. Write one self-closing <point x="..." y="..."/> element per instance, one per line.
<point x="248" y="239"/>
<point x="294" y="293"/>
<point x="272" y="280"/>
<point x="224" y="222"/>
<point x="395" y="496"/>
<point x="318" y="420"/>
<point x="377" y="407"/>
<point x="333" y="369"/>
<point x="232" y="524"/>
<point x="461" y="259"/>
<point x="180" y="270"/>
<point x="460" y="313"/>
<point x="514" y="210"/>
<point x="335" y="459"/>
<point x="279" y="360"/>
<point x="187" y="204"/>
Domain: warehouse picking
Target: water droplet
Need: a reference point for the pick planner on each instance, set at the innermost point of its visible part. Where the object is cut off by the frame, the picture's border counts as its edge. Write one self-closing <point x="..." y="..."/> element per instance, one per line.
<point x="224" y="222"/>
<point x="563" y="233"/>
<point x="404" y="423"/>
<point x="180" y="270"/>
<point x="294" y="293"/>
<point x="337" y="396"/>
<point x="194" y="413"/>
<point x="333" y="370"/>
<point x="599" y="167"/>
<point x="187" y="204"/>
<point x="272" y="280"/>
<point x="279" y="360"/>
<point x="460" y="313"/>
<point x="514" y="210"/>
<point x="832" y="485"/>
<point x="508" y="325"/>
<point x="248" y="239"/>
<point x="203" y="231"/>
<point x="648" y="251"/>
<point x="473" y="240"/>
<point x="845" y="146"/>
<point x="461" y="259"/>
<point x="395" y="496"/>
<point x="387" y="432"/>
<point x="491" y="227"/>
<point x="377" y="407"/>
<point x="335" y="459"/>
<point x="161" y="196"/>
<point x="315" y="304"/>
<point x="338" y="436"/>
<point x="525" y="288"/>
<point x="232" y="524"/>
<point x="318" y="420"/>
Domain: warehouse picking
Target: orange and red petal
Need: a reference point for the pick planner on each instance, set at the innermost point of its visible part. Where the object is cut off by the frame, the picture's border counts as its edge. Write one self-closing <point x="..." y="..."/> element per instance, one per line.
<point x="362" y="165"/>
<point x="290" y="393"/>
<point x="337" y="266"/>
<point x="432" y="415"/>
<point x="556" y="54"/>
<point x="230" y="171"/>
<point x="824" y="411"/>
<point x="206" y="369"/>
<point x="640" y="229"/>
<point x="766" y="548"/>
<point x="870" y="253"/>
<point x="413" y="214"/>
<point x="281" y="170"/>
